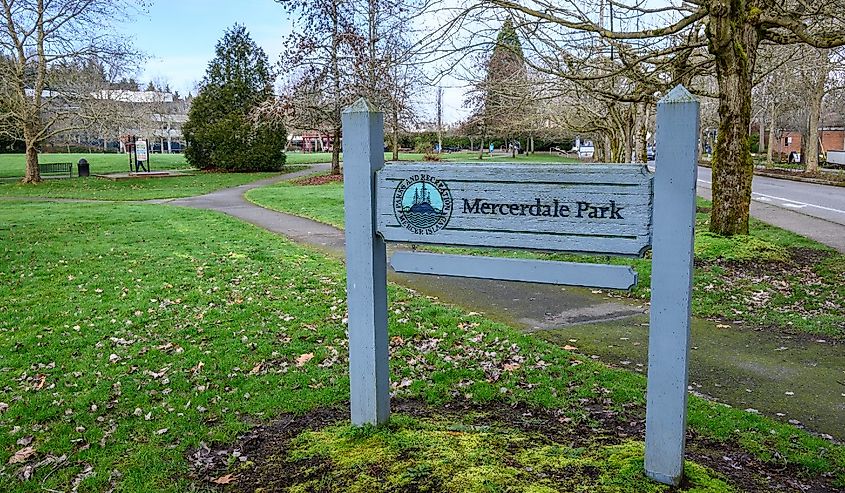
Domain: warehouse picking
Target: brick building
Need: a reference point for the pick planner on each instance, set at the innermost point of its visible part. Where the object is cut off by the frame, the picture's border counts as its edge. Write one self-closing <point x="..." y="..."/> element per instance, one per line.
<point x="832" y="138"/>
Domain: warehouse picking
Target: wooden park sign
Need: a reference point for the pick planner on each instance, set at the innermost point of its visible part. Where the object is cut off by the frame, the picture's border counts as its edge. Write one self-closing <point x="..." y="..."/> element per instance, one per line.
<point x="613" y="209"/>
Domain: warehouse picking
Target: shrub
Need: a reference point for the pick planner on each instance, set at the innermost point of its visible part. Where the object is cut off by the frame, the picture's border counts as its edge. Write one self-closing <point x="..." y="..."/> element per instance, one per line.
<point x="220" y="132"/>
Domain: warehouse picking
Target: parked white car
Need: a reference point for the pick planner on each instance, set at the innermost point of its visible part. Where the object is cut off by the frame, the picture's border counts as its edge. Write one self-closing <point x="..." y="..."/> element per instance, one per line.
<point x="586" y="150"/>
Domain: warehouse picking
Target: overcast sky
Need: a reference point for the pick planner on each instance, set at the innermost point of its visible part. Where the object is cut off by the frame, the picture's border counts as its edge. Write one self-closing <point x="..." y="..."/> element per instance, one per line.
<point x="179" y="38"/>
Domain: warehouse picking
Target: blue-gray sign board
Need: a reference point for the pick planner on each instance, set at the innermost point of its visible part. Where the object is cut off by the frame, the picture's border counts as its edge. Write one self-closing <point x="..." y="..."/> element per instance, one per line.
<point x="615" y="209"/>
<point x="567" y="207"/>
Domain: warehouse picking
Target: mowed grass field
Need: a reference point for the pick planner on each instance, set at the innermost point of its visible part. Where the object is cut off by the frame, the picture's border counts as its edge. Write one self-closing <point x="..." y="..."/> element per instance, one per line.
<point x="92" y="188"/>
<point x="12" y="165"/>
<point x="133" y="335"/>
<point x="193" y="183"/>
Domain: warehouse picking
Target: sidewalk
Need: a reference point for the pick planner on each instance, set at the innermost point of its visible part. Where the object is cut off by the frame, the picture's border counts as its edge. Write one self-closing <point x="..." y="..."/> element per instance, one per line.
<point x="741" y="367"/>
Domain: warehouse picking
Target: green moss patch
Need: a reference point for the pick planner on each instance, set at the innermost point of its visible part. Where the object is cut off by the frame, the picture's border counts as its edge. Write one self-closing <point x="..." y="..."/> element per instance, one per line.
<point x="710" y="246"/>
<point x="438" y="454"/>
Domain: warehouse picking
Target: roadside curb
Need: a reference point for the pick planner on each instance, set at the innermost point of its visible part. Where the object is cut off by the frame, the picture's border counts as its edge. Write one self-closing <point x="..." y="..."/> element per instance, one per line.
<point x="779" y="176"/>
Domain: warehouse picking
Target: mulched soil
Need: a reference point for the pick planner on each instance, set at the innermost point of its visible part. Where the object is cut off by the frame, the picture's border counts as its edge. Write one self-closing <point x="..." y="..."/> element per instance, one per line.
<point x="265" y="447"/>
<point x="318" y="180"/>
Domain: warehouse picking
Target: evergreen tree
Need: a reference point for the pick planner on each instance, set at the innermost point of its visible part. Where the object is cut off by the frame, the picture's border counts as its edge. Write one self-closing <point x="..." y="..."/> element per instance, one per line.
<point x="220" y="131"/>
<point x="506" y="95"/>
<point x="501" y="99"/>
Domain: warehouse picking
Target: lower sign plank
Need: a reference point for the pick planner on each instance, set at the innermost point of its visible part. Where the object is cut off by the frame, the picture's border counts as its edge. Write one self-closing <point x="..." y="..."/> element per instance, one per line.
<point x="522" y="270"/>
<point x="576" y="208"/>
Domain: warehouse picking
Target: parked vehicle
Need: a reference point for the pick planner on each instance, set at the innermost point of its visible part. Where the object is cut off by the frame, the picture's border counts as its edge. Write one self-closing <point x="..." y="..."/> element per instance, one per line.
<point x="836" y="159"/>
<point x="586" y="150"/>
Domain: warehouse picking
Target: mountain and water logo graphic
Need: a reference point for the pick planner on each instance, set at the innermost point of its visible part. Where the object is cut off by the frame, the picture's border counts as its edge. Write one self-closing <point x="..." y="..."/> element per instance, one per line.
<point x="422" y="205"/>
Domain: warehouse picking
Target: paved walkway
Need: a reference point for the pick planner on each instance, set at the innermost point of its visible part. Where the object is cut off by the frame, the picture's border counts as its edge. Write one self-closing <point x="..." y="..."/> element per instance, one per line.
<point x="231" y="201"/>
<point x="745" y="368"/>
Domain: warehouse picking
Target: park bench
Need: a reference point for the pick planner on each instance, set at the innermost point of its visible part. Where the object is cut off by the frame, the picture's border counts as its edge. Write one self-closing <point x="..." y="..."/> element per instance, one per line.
<point x="56" y="169"/>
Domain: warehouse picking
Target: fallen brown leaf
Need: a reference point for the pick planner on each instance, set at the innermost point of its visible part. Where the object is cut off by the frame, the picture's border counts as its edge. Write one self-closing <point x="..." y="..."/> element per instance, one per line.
<point x="305" y="358"/>
<point x="227" y="479"/>
<point x="22" y="455"/>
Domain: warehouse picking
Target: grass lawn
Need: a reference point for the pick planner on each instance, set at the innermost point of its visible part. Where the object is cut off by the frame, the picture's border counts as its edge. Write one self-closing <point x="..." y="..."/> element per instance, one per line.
<point x="196" y="183"/>
<point x="139" y="189"/>
<point x="771" y="278"/>
<point x="130" y="335"/>
<point x="326" y="157"/>
<point x="13" y="165"/>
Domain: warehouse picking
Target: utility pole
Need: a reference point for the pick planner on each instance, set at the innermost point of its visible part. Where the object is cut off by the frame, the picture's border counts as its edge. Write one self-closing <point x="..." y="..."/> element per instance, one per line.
<point x="439" y="120"/>
<point x="371" y="20"/>
<point x="611" y="28"/>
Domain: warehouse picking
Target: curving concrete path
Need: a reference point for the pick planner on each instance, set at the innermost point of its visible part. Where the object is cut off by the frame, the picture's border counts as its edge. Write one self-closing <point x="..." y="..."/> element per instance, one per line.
<point x="231" y="201"/>
<point x="790" y="378"/>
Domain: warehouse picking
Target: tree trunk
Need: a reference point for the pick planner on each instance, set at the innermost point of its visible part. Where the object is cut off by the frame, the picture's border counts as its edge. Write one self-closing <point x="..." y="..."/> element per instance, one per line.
<point x="816" y="97"/>
<point x="734" y="44"/>
<point x="628" y="130"/>
<point x="336" y="151"/>
<point x="638" y="135"/>
<point x="771" y="147"/>
<point x="32" y="174"/>
<point x="804" y="137"/>
<point x="481" y="149"/>
<point x="395" y="134"/>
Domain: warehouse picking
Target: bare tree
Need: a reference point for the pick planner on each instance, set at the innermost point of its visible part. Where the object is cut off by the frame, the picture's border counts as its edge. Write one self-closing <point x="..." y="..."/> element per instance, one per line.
<point x="319" y="59"/>
<point x="342" y="50"/>
<point x="388" y="72"/>
<point x="660" y="46"/>
<point x="821" y="71"/>
<point x="42" y="42"/>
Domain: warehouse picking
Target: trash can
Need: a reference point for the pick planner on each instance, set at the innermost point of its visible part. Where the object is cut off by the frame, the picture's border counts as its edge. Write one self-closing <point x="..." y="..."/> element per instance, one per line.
<point x="84" y="169"/>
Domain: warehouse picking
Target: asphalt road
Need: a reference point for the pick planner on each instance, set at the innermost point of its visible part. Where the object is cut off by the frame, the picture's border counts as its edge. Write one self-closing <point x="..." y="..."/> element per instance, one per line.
<point x="821" y="201"/>
<point x="815" y="211"/>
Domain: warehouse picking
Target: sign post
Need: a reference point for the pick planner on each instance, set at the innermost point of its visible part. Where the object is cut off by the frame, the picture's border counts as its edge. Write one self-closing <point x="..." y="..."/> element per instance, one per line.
<point x="616" y="209"/>
<point x="671" y="285"/>
<point x="366" y="266"/>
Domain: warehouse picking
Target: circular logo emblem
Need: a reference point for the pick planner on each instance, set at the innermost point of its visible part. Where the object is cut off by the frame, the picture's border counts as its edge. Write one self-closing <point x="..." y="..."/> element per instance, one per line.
<point x="422" y="204"/>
